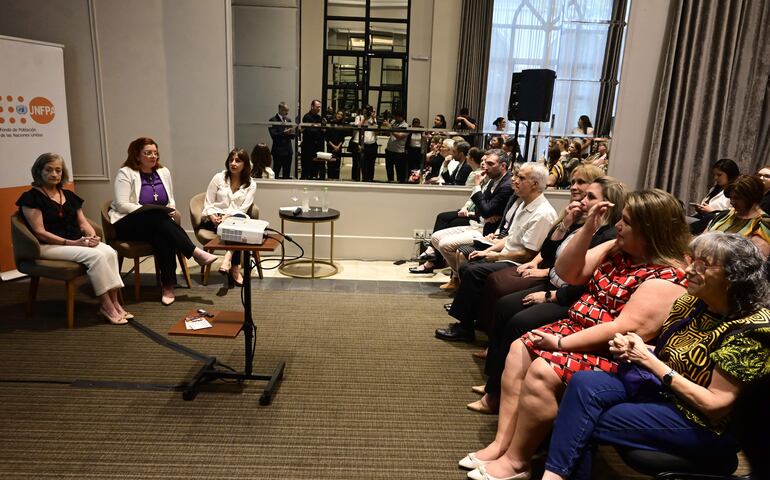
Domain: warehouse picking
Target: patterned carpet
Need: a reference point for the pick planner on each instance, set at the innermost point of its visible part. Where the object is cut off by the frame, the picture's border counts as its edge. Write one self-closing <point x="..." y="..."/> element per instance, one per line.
<point x="368" y="392"/>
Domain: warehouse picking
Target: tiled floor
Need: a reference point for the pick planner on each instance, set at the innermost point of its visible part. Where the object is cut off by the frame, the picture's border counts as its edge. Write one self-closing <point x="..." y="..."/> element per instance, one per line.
<point x="355" y="276"/>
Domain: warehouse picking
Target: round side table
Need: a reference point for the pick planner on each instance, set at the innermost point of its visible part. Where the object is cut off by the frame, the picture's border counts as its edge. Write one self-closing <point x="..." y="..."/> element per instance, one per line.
<point x="312" y="217"/>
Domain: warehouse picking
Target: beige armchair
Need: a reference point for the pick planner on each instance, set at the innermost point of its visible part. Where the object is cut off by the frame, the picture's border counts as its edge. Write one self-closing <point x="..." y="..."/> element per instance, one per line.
<point x="135" y="250"/>
<point x="26" y="253"/>
<point x="205" y="236"/>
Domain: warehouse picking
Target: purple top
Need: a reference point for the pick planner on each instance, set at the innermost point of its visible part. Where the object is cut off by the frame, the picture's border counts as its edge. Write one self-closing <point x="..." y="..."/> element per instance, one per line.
<point x="152" y="192"/>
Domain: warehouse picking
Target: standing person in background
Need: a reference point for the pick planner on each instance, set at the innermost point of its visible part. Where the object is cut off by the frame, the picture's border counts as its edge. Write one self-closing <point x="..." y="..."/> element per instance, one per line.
<point x="414" y="148"/>
<point x="584" y="127"/>
<point x="464" y="121"/>
<point x="282" y="137"/>
<point x="312" y="143"/>
<point x="260" y="162"/>
<point x="335" y="137"/>
<point x="55" y="217"/>
<point x="395" y="152"/>
<point x="368" y="119"/>
<point x="144" y="181"/>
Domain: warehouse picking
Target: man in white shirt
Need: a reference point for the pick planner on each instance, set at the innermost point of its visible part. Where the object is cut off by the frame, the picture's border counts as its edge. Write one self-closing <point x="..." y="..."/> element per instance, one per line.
<point x="532" y="218"/>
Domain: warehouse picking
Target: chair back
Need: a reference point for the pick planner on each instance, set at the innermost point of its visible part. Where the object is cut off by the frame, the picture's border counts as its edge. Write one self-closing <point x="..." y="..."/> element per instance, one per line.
<point x="109" y="230"/>
<point x="25" y="245"/>
<point x="196" y="209"/>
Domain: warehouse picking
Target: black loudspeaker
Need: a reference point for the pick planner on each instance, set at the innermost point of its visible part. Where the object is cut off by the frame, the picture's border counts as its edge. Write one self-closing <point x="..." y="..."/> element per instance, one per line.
<point x="531" y="95"/>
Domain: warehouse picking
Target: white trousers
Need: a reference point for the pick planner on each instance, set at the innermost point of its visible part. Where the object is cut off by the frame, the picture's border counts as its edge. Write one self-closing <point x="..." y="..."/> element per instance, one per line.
<point x="101" y="263"/>
<point x="448" y="240"/>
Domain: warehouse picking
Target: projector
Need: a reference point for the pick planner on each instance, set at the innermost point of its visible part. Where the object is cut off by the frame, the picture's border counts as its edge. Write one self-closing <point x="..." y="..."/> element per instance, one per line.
<point x="242" y="230"/>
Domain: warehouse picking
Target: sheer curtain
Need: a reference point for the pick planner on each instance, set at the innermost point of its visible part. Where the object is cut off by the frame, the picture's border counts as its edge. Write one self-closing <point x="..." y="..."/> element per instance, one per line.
<point x="567" y="36"/>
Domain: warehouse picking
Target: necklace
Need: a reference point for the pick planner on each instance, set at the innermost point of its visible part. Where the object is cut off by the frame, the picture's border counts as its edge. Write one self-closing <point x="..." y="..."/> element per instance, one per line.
<point x="150" y="180"/>
<point x="59" y="203"/>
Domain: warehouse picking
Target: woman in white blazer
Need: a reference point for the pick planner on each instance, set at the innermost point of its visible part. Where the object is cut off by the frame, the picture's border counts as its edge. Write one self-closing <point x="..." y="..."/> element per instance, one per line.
<point x="230" y="194"/>
<point x="144" y="181"/>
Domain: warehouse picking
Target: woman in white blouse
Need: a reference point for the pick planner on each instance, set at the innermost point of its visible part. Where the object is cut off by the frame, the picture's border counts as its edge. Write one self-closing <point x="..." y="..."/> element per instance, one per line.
<point x="230" y="194"/>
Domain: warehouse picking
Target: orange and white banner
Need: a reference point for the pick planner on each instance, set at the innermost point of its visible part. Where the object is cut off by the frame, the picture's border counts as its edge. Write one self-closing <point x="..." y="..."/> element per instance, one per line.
<point x="33" y="120"/>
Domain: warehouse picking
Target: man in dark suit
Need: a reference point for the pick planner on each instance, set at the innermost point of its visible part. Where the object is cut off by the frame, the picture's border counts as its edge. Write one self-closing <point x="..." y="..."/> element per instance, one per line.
<point x="282" y="136"/>
<point x="312" y="143"/>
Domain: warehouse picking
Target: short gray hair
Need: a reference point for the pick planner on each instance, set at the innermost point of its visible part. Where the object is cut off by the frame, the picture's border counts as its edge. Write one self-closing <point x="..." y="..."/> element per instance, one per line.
<point x="745" y="269"/>
<point x="537" y="173"/>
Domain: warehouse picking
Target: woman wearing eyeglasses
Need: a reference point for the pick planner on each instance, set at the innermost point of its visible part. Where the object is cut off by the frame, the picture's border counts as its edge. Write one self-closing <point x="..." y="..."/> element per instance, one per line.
<point x="143" y="181"/>
<point x="714" y="344"/>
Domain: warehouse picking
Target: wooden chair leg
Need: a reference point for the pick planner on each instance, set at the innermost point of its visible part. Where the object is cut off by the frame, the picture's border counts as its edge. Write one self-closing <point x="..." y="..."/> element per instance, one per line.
<point x="70" y="286"/>
<point x="185" y="269"/>
<point x="137" y="281"/>
<point x="33" y="284"/>
<point x="259" y="264"/>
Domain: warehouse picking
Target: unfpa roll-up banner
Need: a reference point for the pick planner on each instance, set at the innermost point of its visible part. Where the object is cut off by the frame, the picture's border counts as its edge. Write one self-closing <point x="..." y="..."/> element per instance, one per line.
<point x="33" y="120"/>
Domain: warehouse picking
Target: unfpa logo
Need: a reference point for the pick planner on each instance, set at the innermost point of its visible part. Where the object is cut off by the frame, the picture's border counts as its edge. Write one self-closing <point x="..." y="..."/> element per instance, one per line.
<point x="13" y="110"/>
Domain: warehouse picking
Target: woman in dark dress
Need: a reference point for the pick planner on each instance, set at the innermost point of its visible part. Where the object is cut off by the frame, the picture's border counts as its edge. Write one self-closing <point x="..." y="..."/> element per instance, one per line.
<point x="55" y="216"/>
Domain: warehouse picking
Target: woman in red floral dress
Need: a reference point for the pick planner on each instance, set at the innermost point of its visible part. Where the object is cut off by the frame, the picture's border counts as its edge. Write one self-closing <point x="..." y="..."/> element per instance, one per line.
<point x="632" y="283"/>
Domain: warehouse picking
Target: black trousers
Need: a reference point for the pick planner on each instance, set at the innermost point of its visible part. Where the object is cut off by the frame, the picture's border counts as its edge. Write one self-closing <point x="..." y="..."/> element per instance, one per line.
<point x="512" y="320"/>
<point x="333" y="166"/>
<point x="414" y="158"/>
<point x="282" y="166"/>
<point x="355" y="153"/>
<point x="396" y="163"/>
<point x="165" y="236"/>
<point x="473" y="276"/>
<point x="308" y="165"/>
<point x="367" y="164"/>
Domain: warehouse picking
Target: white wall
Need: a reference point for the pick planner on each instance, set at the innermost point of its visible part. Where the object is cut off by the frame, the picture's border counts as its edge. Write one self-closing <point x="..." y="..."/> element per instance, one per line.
<point x="643" y="58"/>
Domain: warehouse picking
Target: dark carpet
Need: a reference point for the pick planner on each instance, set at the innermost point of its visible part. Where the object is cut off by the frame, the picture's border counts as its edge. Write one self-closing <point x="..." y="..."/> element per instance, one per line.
<point x="368" y="392"/>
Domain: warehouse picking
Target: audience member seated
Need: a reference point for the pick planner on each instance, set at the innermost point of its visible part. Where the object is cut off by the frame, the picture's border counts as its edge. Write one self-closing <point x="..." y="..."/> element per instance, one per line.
<point x="572" y="160"/>
<point x="601" y="158"/>
<point x="448" y="163"/>
<point x="143" y="181"/>
<point x="556" y="174"/>
<point x="495" y="141"/>
<point x="632" y="283"/>
<point x="532" y="216"/>
<point x="475" y="156"/>
<point x="723" y="172"/>
<point x="55" y="216"/>
<point x="459" y="174"/>
<point x="512" y="149"/>
<point x="261" y="159"/>
<point x="714" y="344"/>
<point x="535" y="272"/>
<point x="531" y="308"/>
<point x="764" y="175"/>
<point x="434" y="159"/>
<point x="746" y="217"/>
<point x="490" y="196"/>
<point x="231" y="194"/>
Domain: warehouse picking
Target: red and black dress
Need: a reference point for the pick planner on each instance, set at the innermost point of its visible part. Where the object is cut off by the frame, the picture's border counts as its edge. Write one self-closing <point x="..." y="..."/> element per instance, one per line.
<point x="609" y="290"/>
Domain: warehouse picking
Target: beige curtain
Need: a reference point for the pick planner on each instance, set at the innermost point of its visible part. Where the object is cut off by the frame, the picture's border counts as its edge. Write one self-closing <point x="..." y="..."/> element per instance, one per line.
<point x="472" y="58"/>
<point x="714" y="100"/>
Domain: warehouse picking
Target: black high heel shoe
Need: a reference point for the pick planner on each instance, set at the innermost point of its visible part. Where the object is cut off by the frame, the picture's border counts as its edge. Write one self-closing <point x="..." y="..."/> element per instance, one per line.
<point x="231" y="281"/>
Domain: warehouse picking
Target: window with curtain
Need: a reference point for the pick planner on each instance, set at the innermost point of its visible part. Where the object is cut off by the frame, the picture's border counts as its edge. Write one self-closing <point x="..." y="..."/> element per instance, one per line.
<point x="567" y="36"/>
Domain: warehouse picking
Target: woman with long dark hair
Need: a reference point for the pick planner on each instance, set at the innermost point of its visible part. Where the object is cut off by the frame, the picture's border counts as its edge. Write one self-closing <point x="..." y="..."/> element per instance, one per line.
<point x="231" y="194"/>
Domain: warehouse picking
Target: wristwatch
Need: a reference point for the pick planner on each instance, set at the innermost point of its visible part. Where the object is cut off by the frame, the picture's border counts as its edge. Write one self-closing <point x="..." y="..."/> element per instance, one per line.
<point x="548" y="295"/>
<point x="669" y="377"/>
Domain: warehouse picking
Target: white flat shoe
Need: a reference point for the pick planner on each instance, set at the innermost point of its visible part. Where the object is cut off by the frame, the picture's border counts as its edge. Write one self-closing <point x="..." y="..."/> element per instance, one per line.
<point x="470" y="462"/>
<point x="481" y="474"/>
